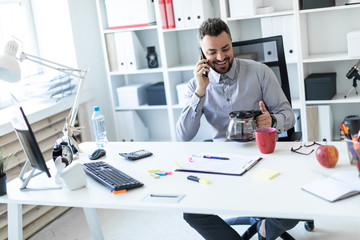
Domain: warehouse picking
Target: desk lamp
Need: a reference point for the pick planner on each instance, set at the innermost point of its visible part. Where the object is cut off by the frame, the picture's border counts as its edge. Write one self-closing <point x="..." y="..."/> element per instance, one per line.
<point x="10" y="72"/>
<point x="354" y="73"/>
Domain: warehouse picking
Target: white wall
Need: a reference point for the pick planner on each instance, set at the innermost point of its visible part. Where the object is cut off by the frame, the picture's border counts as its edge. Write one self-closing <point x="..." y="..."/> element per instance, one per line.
<point x="89" y="52"/>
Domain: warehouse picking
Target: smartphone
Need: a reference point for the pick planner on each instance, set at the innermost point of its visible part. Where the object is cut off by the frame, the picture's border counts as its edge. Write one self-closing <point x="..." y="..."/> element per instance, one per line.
<point x="203" y="57"/>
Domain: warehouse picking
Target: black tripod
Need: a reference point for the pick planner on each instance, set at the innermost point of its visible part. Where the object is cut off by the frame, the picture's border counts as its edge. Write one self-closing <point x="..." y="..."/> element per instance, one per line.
<point x="353" y="73"/>
<point x="354" y="87"/>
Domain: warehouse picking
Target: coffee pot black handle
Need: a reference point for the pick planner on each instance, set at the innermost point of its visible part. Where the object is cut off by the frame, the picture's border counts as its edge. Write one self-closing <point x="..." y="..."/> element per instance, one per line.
<point x="245" y="114"/>
<point x="257" y="113"/>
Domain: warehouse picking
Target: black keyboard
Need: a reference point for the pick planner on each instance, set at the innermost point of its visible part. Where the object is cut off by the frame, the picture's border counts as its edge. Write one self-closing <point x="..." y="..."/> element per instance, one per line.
<point x="111" y="177"/>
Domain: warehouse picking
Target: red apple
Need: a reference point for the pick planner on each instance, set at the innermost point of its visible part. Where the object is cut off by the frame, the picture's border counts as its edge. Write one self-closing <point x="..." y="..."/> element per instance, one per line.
<point x="327" y="156"/>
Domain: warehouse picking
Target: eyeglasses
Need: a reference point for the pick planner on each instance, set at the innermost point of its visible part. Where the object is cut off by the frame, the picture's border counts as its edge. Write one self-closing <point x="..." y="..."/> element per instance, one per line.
<point x="298" y="145"/>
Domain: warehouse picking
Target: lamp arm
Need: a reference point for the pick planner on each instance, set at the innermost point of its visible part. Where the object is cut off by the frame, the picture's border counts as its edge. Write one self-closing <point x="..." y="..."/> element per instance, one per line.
<point x="53" y="65"/>
<point x="74" y="110"/>
<point x="81" y="74"/>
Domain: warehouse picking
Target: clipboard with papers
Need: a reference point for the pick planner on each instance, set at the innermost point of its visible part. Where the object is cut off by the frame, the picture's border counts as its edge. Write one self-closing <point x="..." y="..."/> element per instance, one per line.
<point x="236" y="165"/>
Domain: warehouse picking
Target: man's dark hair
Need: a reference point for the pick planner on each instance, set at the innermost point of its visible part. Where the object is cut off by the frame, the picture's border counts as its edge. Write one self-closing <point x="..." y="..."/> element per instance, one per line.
<point x="213" y="27"/>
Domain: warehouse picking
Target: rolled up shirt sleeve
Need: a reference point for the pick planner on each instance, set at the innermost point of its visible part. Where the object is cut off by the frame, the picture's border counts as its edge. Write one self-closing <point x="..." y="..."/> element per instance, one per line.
<point x="188" y="123"/>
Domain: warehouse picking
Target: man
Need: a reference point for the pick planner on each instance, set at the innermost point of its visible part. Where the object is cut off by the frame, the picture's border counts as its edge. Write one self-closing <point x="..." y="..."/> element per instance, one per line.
<point x="231" y="84"/>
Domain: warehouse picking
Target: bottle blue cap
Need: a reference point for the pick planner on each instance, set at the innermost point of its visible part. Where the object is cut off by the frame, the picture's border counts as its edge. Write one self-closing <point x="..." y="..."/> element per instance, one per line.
<point x="96" y="108"/>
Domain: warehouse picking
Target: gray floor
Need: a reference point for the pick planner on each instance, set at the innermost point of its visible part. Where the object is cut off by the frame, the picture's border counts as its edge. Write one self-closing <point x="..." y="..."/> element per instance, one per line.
<point x="134" y="225"/>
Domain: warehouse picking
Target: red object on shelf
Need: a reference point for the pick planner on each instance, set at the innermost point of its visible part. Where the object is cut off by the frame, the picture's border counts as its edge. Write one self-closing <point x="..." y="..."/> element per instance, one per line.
<point x="130" y="26"/>
<point x="170" y="14"/>
<point x="163" y="15"/>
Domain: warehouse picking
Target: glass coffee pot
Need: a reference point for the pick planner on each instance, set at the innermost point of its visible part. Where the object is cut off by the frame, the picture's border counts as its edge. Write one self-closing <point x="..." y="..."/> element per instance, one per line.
<point x="242" y="125"/>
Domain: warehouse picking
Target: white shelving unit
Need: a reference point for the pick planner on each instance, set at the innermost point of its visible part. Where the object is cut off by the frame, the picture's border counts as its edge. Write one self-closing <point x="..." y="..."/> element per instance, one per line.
<point x="322" y="33"/>
<point x="319" y="44"/>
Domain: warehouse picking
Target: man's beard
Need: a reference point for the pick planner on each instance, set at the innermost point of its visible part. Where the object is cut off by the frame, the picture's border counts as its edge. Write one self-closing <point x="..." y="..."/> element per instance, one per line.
<point x="222" y="69"/>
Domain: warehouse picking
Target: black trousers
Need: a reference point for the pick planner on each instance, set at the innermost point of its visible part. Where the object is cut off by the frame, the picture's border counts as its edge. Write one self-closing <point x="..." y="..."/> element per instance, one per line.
<point x="212" y="227"/>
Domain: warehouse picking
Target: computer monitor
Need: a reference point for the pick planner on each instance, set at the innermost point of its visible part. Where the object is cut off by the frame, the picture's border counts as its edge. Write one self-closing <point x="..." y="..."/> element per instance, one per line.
<point x="29" y="144"/>
<point x="270" y="51"/>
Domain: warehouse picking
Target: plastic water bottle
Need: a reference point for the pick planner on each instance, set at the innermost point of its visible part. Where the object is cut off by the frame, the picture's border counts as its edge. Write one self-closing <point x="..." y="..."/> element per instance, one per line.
<point x="98" y="121"/>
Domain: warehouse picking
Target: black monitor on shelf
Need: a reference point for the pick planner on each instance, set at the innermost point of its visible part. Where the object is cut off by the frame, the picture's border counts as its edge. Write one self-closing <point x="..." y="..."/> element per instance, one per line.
<point x="30" y="146"/>
<point x="270" y="51"/>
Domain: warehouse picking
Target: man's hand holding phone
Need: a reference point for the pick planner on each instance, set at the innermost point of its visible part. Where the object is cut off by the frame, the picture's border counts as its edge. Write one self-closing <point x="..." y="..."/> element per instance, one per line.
<point x="201" y="74"/>
<point x="204" y="58"/>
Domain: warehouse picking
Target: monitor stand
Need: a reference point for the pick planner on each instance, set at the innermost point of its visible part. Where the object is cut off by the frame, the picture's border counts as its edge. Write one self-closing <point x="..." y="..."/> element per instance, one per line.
<point x="32" y="174"/>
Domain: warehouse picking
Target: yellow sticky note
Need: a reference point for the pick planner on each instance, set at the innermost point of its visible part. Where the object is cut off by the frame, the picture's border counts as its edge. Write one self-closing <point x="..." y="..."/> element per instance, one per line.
<point x="266" y="174"/>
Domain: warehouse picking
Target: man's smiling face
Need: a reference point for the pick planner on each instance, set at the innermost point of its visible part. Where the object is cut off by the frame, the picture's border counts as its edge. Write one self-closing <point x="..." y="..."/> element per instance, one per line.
<point x="218" y="50"/>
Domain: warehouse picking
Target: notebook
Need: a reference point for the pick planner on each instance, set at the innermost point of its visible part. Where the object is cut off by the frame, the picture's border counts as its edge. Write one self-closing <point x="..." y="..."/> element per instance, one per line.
<point x="219" y="164"/>
<point x="335" y="187"/>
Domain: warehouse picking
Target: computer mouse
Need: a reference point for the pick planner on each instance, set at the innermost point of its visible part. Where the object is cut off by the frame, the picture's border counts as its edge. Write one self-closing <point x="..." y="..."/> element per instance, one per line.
<point x="98" y="153"/>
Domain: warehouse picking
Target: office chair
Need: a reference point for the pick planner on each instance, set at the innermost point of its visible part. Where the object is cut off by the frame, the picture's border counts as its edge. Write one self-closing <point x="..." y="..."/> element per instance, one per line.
<point x="270" y="51"/>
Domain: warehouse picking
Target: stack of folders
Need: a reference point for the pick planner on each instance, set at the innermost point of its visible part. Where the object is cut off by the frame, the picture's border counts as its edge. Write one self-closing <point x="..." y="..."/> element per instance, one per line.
<point x="130" y="54"/>
<point x="184" y="13"/>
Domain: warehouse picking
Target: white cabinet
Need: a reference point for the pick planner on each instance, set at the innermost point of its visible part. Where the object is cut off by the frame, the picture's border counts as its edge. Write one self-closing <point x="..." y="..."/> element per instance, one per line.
<point x="315" y="41"/>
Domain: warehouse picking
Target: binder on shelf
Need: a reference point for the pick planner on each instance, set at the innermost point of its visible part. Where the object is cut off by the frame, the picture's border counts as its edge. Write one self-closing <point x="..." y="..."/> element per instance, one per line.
<point x="178" y="13"/>
<point x="325" y="122"/>
<point x="135" y="53"/>
<point x="202" y="10"/>
<point x="312" y="123"/>
<point x="131" y="127"/>
<point x="131" y="55"/>
<point x="270" y="52"/>
<point x="120" y="52"/>
<point x="163" y="15"/>
<point x="170" y="13"/>
<point x="111" y="52"/>
<point x="130" y="13"/>
<point x="188" y="13"/>
<point x="289" y="38"/>
<point x="281" y="25"/>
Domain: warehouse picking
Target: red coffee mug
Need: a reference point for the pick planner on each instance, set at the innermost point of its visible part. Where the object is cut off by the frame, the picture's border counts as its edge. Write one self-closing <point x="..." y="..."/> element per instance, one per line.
<point x="266" y="139"/>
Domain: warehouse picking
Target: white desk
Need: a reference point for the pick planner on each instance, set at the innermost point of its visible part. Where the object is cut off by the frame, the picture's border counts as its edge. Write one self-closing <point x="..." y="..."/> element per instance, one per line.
<point x="280" y="197"/>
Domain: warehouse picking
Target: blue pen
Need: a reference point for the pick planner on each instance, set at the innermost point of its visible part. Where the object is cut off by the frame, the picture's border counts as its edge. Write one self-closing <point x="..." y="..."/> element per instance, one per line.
<point x="214" y="157"/>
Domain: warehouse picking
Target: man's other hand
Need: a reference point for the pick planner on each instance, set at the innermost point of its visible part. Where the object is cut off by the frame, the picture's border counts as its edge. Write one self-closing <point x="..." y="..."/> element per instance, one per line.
<point x="263" y="120"/>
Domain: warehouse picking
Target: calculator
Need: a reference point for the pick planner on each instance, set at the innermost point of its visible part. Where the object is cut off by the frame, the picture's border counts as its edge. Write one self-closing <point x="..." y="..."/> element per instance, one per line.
<point x="136" y="154"/>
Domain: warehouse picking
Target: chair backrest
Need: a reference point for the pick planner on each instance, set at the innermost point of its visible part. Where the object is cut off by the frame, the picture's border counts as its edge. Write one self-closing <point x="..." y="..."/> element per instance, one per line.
<point x="270" y="51"/>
